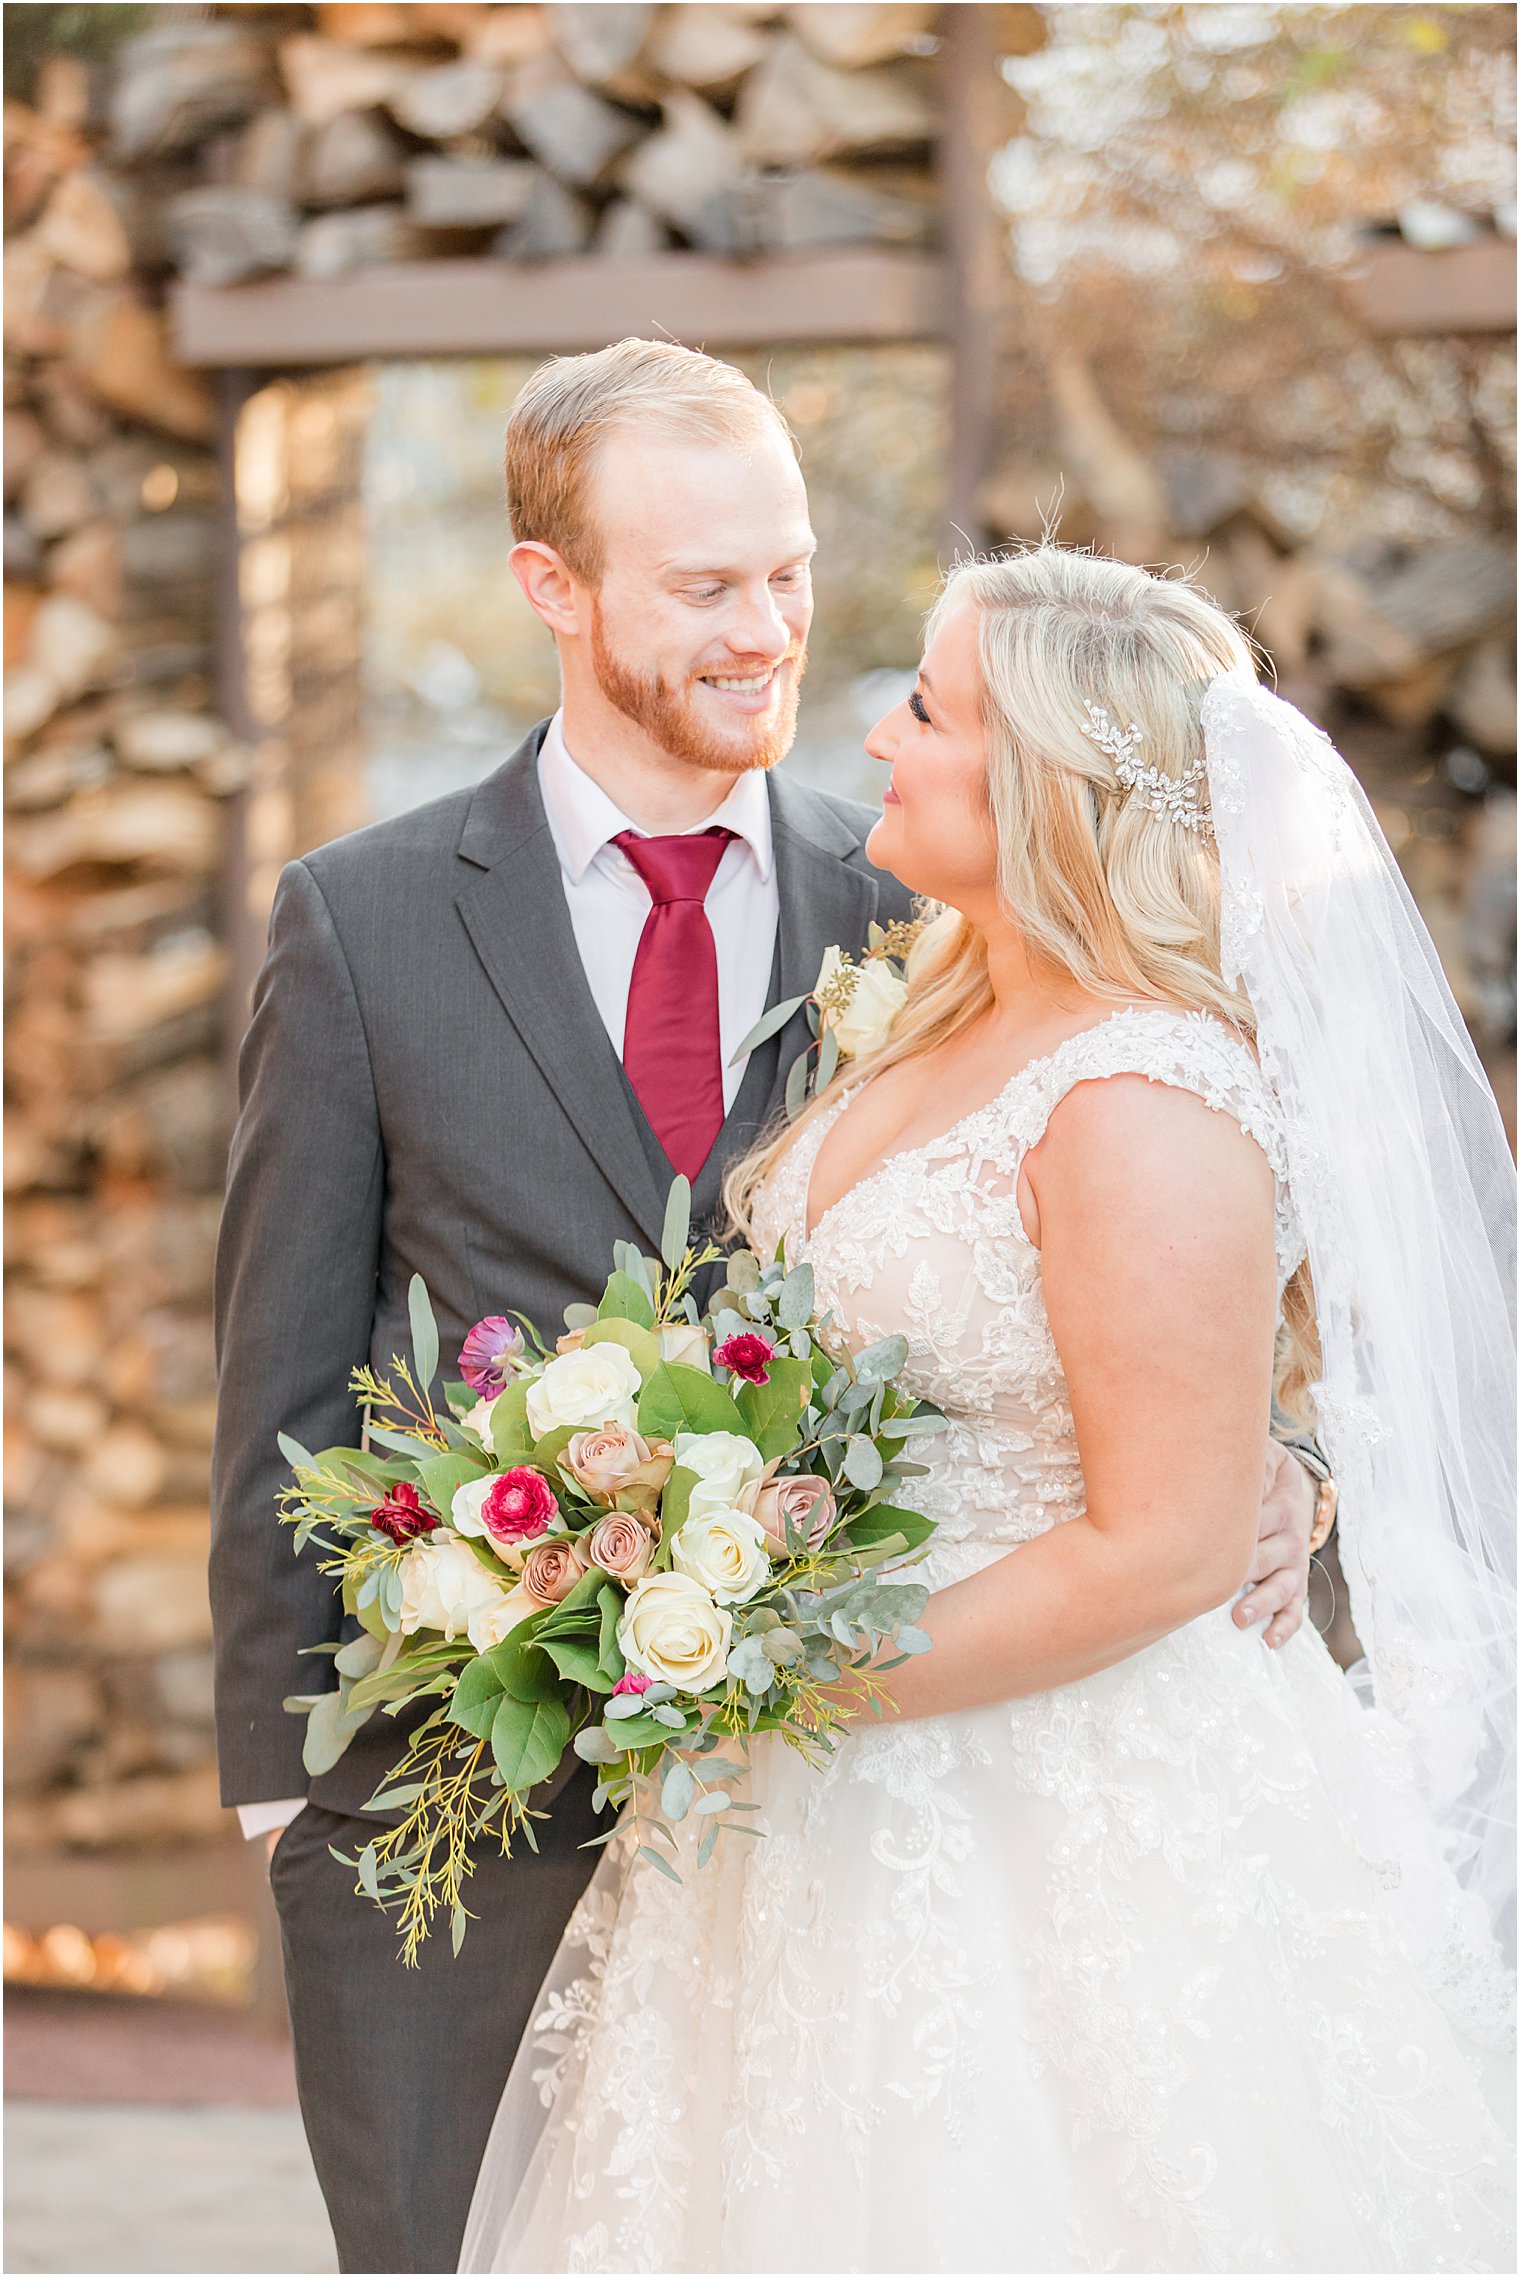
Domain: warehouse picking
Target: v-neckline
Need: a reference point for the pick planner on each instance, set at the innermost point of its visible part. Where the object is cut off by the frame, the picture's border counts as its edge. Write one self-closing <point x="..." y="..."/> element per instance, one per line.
<point x="943" y="1138"/>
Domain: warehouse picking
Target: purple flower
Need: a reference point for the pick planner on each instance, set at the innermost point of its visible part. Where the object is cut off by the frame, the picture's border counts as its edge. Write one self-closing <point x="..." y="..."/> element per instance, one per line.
<point x="747" y="1356"/>
<point x="401" y="1514"/>
<point x="490" y="1355"/>
<point x="632" y="1682"/>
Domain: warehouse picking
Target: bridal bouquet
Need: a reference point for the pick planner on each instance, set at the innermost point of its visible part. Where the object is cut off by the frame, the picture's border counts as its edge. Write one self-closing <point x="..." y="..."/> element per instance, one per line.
<point x="660" y="1537"/>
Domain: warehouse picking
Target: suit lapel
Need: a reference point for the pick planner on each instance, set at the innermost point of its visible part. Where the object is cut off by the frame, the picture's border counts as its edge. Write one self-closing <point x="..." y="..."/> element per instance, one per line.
<point x="515" y="912"/>
<point x="823" y="901"/>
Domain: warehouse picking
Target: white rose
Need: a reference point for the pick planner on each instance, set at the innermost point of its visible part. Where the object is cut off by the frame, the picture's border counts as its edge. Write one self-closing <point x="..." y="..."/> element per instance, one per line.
<point x="686" y="1344"/>
<point x="877" y="998"/>
<point x="726" y="1552"/>
<point x="595" y="1385"/>
<point x="444" y="1586"/>
<point x="500" y="1618"/>
<point x="724" y="1463"/>
<point x="478" y="1423"/>
<point x="673" y="1632"/>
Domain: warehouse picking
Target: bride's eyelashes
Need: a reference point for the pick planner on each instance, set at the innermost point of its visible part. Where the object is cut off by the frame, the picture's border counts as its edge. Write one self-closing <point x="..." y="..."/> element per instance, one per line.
<point x="917" y="707"/>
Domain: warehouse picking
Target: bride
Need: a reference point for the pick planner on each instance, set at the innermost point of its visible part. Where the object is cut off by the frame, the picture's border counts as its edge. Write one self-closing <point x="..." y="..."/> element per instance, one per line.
<point x="1122" y="1943"/>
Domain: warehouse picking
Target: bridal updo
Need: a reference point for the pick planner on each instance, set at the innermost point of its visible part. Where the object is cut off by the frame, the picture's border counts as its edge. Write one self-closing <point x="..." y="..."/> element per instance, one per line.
<point x="1106" y="892"/>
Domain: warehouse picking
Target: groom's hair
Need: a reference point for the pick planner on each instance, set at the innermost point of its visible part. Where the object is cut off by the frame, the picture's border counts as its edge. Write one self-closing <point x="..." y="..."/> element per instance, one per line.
<point x="572" y="404"/>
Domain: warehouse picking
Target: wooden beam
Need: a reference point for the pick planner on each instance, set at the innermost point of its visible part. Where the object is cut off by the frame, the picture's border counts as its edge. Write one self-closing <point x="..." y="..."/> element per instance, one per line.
<point x="484" y="307"/>
<point x="1470" y="288"/>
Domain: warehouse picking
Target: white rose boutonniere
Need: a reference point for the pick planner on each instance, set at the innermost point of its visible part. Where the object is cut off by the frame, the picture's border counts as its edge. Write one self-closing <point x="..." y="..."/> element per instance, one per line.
<point x="850" y="1009"/>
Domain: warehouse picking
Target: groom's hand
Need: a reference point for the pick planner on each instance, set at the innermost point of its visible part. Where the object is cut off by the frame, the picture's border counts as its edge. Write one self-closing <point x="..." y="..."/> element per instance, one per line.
<point x="1278" y="1583"/>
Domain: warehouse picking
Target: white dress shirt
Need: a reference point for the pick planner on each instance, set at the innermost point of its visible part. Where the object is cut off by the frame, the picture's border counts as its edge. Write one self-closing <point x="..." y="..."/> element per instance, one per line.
<point x="609" y="903"/>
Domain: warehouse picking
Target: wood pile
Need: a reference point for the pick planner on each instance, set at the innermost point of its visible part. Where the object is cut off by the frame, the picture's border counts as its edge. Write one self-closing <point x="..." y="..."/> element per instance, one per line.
<point x="116" y="778"/>
<point x="1405" y="656"/>
<point x="526" y="133"/>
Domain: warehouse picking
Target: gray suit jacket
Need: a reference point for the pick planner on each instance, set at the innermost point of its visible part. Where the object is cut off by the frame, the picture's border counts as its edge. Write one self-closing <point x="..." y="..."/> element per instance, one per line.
<point x="427" y="1087"/>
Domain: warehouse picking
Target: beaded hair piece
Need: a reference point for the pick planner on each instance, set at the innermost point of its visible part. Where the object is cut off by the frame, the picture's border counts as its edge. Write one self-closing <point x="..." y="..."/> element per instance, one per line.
<point x="1174" y="796"/>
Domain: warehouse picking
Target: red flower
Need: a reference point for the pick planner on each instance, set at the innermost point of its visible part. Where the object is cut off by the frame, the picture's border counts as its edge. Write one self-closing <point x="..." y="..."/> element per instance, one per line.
<point x="518" y="1507"/>
<point x="632" y="1682"/>
<point x="401" y="1514"/>
<point x="747" y="1356"/>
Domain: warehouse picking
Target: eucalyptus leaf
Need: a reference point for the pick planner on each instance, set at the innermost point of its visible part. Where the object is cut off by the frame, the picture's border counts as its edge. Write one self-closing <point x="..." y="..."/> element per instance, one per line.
<point x="666" y="1868"/>
<point x="295" y="1454"/>
<point x="329" y="1728"/>
<point x="705" y="1846"/>
<point x="796" y="1086"/>
<point x="743" y="1271"/>
<point x="886" y="1358"/>
<point x="795" y="1303"/>
<point x="678" y="1791"/>
<point x="358" y="1656"/>
<point x="828" y="1057"/>
<point x="713" y="1800"/>
<point x="862" y="1464"/>
<point x="769" y="1024"/>
<point x="424" y="1332"/>
<point x="677" y="1227"/>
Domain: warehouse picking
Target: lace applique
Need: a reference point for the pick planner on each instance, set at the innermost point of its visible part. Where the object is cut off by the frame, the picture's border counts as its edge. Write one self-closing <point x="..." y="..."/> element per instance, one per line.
<point x="1124" y="1931"/>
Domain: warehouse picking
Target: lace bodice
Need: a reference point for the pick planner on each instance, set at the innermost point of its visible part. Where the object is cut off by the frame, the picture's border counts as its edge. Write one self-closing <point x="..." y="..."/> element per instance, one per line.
<point x="932" y="1244"/>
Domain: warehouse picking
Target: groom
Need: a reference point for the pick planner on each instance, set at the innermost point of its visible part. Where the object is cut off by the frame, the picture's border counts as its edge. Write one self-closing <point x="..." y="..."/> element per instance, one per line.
<point x="485" y="1036"/>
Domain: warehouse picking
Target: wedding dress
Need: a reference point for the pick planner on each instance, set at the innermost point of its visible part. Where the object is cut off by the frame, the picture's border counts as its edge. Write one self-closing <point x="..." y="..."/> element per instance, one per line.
<point x="1154" y="1971"/>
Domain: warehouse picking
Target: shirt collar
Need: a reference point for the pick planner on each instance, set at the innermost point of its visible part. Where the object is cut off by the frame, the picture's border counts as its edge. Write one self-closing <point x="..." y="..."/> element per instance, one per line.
<point x="582" y="818"/>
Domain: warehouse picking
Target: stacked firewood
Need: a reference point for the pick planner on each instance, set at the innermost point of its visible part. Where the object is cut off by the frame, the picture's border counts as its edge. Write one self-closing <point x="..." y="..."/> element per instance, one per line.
<point x="386" y="133"/>
<point x="117" y="771"/>
<point x="1404" y="654"/>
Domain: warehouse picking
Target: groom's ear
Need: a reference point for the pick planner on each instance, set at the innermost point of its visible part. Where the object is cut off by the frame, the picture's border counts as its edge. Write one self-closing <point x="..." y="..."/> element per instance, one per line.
<point x="548" y="586"/>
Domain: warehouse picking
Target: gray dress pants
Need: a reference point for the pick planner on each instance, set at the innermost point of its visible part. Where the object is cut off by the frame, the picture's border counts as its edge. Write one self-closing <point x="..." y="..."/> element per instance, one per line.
<point x="400" y="2070"/>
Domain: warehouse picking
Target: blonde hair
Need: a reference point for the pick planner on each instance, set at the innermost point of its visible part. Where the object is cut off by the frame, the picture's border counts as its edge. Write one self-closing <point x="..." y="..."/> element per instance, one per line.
<point x="1105" y="892"/>
<point x="572" y="404"/>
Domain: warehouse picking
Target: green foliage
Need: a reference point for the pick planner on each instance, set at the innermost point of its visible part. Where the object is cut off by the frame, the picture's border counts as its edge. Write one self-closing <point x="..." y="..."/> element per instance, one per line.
<point x="680" y="1398"/>
<point x="676" y="1232"/>
<point x="641" y="1344"/>
<point x="528" y="1737"/>
<point x="424" y="1331"/>
<point x="441" y="1477"/>
<point x="624" y="1299"/>
<point x="771" y="1412"/>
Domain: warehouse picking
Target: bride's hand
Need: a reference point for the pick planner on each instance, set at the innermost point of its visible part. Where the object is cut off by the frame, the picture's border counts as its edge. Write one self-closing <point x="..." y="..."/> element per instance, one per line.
<point x="1278" y="1582"/>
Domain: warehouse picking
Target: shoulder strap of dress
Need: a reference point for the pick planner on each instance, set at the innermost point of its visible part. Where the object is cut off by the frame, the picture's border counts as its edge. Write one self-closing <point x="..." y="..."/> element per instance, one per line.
<point x="1190" y="1051"/>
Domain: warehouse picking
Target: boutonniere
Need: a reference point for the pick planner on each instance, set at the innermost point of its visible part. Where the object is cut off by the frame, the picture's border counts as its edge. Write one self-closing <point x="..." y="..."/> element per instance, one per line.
<point x="850" y="1009"/>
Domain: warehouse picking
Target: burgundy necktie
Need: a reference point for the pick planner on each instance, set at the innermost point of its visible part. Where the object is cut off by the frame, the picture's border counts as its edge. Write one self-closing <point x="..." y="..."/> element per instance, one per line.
<point x="671" y="1052"/>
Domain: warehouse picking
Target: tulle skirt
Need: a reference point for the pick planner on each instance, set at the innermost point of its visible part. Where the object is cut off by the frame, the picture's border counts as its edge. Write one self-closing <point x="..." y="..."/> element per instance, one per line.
<point x="1146" y="1973"/>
